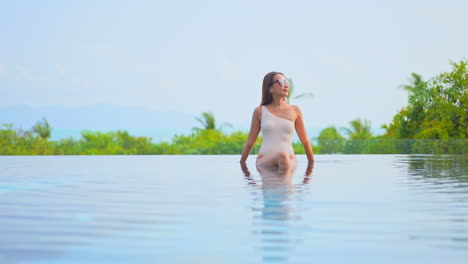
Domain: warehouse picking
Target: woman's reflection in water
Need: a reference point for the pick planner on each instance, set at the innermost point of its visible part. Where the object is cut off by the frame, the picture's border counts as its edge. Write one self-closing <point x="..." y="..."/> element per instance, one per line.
<point x="279" y="194"/>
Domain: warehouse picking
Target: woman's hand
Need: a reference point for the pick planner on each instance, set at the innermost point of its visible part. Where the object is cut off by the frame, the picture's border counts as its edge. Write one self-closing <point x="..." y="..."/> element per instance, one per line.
<point x="244" y="169"/>
<point x="308" y="172"/>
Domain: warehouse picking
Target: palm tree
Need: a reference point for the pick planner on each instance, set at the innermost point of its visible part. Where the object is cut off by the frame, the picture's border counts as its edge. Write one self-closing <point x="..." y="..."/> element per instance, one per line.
<point x="43" y="129"/>
<point x="415" y="80"/>
<point x="208" y="122"/>
<point x="360" y="129"/>
<point x="291" y="91"/>
<point x="418" y="93"/>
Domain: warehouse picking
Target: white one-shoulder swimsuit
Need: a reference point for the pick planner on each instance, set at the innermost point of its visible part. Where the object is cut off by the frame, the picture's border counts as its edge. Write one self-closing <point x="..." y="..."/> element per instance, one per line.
<point x="277" y="134"/>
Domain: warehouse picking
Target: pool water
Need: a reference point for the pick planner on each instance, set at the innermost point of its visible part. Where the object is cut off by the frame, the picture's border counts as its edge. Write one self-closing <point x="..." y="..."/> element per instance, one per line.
<point x="207" y="209"/>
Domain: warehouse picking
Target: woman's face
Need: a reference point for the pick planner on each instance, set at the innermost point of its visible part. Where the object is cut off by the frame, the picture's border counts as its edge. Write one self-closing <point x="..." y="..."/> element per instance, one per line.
<point x="280" y="86"/>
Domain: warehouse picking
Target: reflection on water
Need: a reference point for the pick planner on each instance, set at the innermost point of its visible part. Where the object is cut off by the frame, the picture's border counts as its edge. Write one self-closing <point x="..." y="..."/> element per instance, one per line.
<point x="203" y="209"/>
<point x="278" y="224"/>
<point x="439" y="188"/>
<point x="439" y="167"/>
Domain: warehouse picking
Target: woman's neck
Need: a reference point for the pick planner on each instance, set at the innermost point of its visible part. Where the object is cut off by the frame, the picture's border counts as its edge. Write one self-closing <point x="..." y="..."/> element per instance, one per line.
<point x="278" y="102"/>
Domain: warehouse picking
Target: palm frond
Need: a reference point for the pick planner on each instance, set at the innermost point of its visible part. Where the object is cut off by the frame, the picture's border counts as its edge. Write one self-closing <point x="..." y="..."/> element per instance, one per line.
<point x="302" y="95"/>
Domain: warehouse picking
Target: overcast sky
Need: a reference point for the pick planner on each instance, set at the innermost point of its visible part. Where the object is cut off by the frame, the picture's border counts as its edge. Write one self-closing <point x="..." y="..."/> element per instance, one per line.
<point x="195" y="56"/>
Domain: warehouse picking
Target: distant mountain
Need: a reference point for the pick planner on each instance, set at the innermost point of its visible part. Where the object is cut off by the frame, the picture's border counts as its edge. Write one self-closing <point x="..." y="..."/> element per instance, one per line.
<point x="70" y="121"/>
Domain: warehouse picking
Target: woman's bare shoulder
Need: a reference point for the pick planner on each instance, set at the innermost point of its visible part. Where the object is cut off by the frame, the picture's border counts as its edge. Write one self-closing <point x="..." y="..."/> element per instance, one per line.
<point x="258" y="110"/>
<point x="296" y="108"/>
<point x="257" y="113"/>
<point x="297" y="111"/>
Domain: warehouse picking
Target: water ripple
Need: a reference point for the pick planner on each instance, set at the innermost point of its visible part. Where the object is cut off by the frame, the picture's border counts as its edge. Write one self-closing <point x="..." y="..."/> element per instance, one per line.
<point x="152" y="208"/>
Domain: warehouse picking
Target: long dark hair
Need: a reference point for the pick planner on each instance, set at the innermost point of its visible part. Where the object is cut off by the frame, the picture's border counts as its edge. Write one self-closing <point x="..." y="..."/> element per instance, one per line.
<point x="267" y="83"/>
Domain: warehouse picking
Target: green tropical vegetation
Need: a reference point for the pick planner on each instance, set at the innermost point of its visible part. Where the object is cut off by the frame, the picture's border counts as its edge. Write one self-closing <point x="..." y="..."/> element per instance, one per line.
<point x="434" y="121"/>
<point x="207" y="120"/>
<point x="437" y="108"/>
<point x="43" y="129"/>
<point x="201" y="141"/>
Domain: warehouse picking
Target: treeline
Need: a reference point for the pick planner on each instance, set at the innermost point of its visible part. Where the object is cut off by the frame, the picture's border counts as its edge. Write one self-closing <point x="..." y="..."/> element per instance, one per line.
<point x="17" y="142"/>
<point x="209" y="141"/>
<point x="434" y="121"/>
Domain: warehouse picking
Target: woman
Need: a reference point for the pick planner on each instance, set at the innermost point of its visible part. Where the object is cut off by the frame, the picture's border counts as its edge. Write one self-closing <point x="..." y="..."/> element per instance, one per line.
<point x="277" y="119"/>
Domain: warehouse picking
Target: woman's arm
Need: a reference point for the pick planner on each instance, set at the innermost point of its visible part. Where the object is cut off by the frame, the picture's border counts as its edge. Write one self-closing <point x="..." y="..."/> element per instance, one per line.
<point x="302" y="134"/>
<point x="253" y="134"/>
